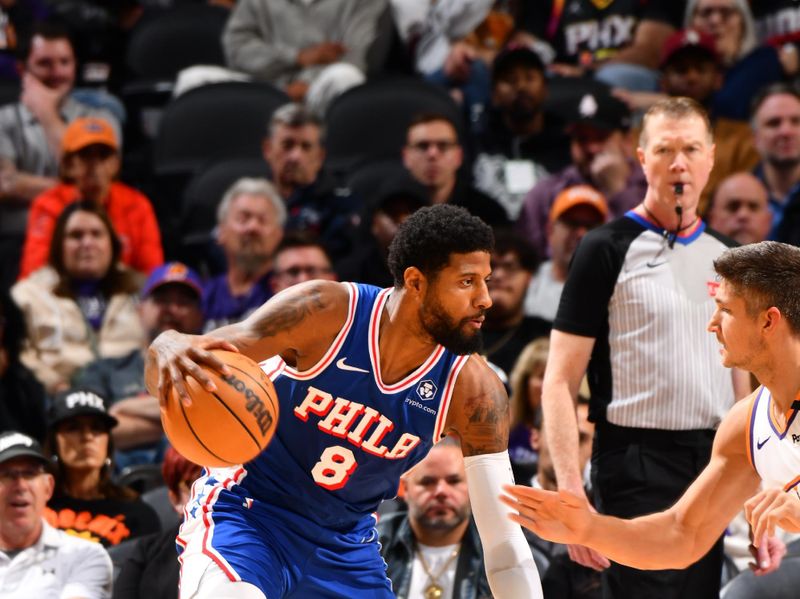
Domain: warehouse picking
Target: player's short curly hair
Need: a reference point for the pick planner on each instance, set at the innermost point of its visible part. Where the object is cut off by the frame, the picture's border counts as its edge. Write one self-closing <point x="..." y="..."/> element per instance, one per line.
<point x="428" y="237"/>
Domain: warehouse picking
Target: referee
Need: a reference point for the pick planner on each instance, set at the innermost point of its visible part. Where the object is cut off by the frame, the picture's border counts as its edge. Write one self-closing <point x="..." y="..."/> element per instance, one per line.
<point x="634" y="311"/>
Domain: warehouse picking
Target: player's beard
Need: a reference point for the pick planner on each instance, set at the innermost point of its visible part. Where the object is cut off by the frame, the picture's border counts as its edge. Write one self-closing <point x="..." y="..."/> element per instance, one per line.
<point x="448" y="333"/>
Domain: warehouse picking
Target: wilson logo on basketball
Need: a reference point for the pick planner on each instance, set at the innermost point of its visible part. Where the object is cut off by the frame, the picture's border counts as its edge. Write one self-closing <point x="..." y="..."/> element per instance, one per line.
<point x="254" y="404"/>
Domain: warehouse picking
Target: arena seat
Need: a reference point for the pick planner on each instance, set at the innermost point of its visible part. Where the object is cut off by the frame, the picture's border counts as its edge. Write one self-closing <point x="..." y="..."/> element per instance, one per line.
<point x="140" y="477"/>
<point x="221" y="120"/>
<point x="368" y="122"/>
<point x="174" y="39"/>
<point x="368" y="179"/>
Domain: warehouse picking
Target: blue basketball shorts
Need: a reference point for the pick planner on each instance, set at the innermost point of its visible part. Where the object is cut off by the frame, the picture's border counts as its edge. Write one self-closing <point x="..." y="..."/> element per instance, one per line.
<point x="283" y="553"/>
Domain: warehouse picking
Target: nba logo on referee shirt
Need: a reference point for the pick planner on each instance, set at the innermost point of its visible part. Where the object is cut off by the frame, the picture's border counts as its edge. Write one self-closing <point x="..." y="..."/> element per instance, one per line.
<point x="426" y="390"/>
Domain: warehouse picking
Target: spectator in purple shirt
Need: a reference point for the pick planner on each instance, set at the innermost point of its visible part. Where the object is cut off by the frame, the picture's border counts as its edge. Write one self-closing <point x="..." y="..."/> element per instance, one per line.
<point x="250" y="218"/>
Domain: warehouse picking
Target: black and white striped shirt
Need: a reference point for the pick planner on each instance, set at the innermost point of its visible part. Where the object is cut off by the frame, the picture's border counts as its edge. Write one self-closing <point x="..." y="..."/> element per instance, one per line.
<point x="654" y="365"/>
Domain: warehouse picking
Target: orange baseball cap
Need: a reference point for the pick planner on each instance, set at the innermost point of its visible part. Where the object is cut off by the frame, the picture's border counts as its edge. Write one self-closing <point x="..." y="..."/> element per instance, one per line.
<point x="578" y="195"/>
<point x="87" y="131"/>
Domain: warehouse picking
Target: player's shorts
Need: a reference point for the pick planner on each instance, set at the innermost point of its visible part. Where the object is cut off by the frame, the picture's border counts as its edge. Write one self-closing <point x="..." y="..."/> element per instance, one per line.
<point x="282" y="553"/>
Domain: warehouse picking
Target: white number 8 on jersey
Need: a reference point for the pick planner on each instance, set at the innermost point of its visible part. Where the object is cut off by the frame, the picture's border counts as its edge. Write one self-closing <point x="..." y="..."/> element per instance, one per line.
<point x="335" y="466"/>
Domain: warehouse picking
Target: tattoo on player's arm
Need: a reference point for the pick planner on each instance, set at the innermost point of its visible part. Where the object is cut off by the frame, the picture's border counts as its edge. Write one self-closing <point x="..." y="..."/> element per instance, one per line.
<point x="484" y="427"/>
<point x="286" y="314"/>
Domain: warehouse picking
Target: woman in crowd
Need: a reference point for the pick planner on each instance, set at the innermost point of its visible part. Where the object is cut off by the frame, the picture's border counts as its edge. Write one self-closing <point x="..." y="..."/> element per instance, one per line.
<point x="86" y="501"/>
<point x="526" y="399"/>
<point x="82" y="306"/>
<point x="748" y="66"/>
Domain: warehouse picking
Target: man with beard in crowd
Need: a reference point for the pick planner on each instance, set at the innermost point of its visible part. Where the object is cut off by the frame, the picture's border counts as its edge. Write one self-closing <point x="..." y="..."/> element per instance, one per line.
<point x="250" y="221"/>
<point x="435" y="544"/>
<point x="521" y="143"/>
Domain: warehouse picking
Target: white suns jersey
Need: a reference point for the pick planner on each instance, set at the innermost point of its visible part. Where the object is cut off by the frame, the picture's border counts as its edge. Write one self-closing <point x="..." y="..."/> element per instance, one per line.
<point x="774" y="453"/>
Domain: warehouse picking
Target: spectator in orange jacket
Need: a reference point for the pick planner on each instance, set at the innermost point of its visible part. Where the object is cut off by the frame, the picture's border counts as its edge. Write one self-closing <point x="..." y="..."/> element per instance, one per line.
<point x="90" y="162"/>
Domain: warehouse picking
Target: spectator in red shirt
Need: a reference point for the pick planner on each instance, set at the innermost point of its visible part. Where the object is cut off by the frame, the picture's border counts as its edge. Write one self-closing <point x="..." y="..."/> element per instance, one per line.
<point x="90" y="162"/>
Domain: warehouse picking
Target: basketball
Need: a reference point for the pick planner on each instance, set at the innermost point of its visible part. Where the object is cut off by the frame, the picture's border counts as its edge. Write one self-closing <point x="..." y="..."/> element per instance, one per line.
<point x="229" y="426"/>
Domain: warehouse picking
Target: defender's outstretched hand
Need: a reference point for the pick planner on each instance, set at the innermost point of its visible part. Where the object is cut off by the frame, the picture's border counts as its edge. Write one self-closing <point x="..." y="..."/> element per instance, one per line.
<point x="770" y="508"/>
<point x="559" y="517"/>
<point x="173" y="356"/>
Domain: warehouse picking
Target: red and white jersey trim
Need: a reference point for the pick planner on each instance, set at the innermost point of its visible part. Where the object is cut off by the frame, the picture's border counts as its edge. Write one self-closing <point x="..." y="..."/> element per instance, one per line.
<point x="447" y="396"/>
<point x="334" y="348"/>
<point x="273" y="367"/>
<point x="375" y="356"/>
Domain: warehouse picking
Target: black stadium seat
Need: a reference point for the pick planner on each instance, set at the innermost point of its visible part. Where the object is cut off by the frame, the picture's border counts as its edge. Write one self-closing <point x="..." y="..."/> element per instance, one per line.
<point x="140" y="477"/>
<point x="212" y="122"/>
<point x="177" y="38"/>
<point x="369" y="179"/>
<point x="162" y="43"/>
<point x="368" y="122"/>
<point x="206" y="124"/>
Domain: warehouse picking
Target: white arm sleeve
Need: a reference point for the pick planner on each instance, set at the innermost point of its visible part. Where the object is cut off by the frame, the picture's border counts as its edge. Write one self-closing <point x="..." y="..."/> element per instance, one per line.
<point x="509" y="564"/>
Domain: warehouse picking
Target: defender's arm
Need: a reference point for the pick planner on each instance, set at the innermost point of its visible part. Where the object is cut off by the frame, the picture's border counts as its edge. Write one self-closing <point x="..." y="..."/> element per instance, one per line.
<point x="681" y="534"/>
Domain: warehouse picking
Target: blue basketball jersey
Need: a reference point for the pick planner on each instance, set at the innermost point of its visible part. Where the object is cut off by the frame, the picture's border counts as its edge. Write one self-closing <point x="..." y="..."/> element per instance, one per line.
<point x="345" y="436"/>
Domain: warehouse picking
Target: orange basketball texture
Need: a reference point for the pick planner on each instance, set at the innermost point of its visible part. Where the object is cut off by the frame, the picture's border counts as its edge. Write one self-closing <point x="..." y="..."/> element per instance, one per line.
<point x="229" y="426"/>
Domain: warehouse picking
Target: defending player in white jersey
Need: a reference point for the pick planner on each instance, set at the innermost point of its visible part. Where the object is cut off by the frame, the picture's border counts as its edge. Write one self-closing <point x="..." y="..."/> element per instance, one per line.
<point x="757" y="322"/>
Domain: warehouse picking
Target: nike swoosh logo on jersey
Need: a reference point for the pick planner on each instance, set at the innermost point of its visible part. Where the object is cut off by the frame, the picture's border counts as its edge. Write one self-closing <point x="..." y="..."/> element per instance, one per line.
<point x="342" y="366"/>
<point x="760" y="444"/>
<point x="655" y="264"/>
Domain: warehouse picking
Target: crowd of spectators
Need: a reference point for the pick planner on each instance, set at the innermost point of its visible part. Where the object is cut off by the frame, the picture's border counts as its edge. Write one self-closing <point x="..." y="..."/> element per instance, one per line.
<point x="540" y="140"/>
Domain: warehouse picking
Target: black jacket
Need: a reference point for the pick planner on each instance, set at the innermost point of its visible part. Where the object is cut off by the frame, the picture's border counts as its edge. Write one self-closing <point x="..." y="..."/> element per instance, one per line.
<point x="397" y="548"/>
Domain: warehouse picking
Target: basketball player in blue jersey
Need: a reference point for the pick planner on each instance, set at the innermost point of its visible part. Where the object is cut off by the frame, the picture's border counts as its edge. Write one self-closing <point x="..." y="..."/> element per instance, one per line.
<point x="367" y="381"/>
<point x="757" y="322"/>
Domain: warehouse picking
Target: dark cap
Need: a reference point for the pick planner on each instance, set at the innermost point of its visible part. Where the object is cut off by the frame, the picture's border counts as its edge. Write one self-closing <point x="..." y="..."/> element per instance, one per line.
<point x="602" y="111"/>
<point x="687" y="40"/>
<point x="16" y="445"/>
<point x="514" y="56"/>
<point x="173" y="272"/>
<point x="79" y="402"/>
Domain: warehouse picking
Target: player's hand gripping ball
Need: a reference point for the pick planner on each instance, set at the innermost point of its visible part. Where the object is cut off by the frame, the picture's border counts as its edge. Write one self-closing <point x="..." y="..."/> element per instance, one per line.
<point x="229" y="426"/>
